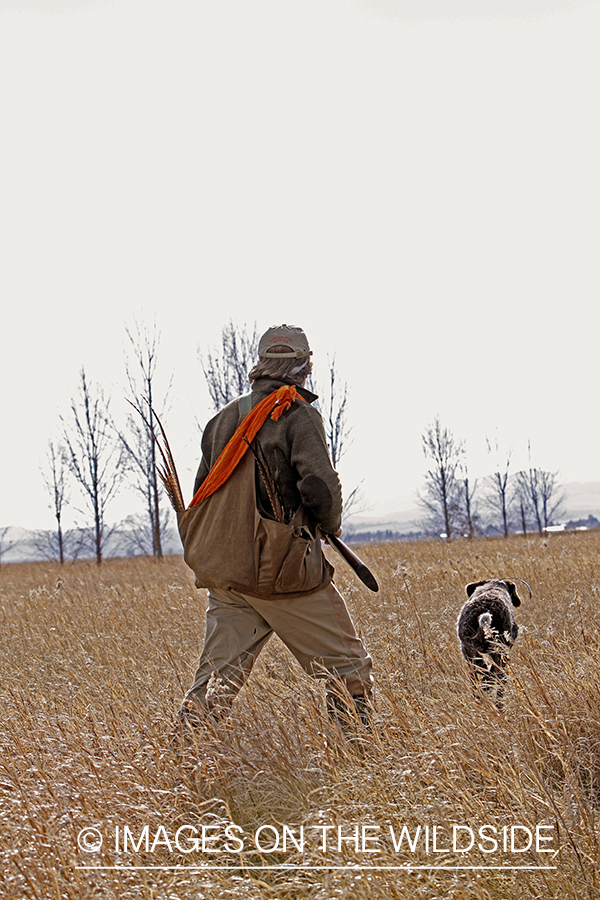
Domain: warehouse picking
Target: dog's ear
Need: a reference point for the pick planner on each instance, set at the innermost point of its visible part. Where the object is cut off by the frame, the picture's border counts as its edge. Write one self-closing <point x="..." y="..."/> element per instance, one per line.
<point x="471" y="587"/>
<point x="516" y="600"/>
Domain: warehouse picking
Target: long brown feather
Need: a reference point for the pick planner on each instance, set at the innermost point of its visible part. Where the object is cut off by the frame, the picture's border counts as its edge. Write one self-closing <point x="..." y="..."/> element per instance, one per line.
<point x="268" y="483"/>
<point x="167" y="471"/>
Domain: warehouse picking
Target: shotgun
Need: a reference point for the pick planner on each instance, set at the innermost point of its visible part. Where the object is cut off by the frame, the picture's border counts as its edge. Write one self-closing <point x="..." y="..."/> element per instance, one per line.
<point x="354" y="561"/>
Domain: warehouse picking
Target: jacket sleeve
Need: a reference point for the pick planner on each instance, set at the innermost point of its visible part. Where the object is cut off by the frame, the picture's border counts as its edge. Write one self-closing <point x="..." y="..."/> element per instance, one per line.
<point x="318" y="482"/>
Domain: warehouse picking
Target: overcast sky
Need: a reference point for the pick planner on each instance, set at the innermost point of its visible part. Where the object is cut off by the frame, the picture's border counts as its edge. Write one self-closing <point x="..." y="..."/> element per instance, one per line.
<point x="415" y="183"/>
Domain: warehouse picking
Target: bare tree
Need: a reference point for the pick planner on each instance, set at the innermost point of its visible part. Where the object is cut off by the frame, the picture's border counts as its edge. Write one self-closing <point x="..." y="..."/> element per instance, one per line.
<point x="334" y="413"/>
<point x="54" y="477"/>
<point x="536" y="491"/>
<point x="93" y="455"/>
<point x="467" y="491"/>
<point x="138" y="443"/>
<point x="520" y="499"/>
<point x="74" y="542"/>
<point x="133" y="538"/>
<point x="498" y="498"/>
<point x="226" y="370"/>
<point x="333" y="409"/>
<point x="551" y="500"/>
<point x="440" y="497"/>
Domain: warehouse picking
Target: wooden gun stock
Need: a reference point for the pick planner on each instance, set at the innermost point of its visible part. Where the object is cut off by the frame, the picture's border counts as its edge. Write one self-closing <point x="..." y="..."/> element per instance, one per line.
<point x="363" y="572"/>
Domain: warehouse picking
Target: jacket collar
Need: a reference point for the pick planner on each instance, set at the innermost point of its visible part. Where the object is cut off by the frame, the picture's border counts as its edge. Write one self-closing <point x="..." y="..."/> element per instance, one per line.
<point x="267" y="385"/>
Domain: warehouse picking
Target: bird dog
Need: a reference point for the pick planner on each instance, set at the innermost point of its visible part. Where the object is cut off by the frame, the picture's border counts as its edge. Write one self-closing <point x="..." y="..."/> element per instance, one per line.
<point x="487" y="630"/>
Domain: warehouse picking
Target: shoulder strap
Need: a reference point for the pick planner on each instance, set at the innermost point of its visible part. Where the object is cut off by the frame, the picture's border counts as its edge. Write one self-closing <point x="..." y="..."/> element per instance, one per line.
<point x="275" y="405"/>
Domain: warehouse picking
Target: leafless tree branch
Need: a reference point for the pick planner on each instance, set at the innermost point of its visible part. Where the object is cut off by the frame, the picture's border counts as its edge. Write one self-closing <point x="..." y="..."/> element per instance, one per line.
<point x="498" y="496"/>
<point x="138" y="444"/>
<point x="54" y="477"/>
<point x="93" y="455"/>
<point x="536" y="493"/>
<point x="226" y="370"/>
<point x="440" y="497"/>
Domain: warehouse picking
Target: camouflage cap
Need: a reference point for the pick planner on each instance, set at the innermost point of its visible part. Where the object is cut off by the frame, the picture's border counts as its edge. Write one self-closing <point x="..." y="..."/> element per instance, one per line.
<point x="284" y="335"/>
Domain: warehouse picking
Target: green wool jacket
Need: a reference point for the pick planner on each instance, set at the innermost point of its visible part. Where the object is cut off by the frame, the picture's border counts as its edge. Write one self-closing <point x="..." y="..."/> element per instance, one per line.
<point x="294" y="450"/>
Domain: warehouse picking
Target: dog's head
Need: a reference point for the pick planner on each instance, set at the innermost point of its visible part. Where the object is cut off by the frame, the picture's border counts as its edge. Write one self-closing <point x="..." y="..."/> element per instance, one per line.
<point x="516" y="600"/>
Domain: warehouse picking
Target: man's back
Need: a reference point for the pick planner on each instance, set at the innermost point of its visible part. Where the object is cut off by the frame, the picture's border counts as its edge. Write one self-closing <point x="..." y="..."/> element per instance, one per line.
<point x="294" y="451"/>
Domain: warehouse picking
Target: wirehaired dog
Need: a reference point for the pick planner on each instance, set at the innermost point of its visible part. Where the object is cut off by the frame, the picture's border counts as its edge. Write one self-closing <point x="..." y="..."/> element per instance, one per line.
<point x="487" y="630"/>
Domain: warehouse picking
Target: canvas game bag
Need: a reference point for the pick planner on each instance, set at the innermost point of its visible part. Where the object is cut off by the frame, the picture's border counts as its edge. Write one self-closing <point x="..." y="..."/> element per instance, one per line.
<point x="229" y="544"/>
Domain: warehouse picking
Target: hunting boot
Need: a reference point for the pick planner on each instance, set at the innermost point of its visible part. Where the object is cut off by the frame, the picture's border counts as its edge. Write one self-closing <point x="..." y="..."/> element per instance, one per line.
<point x="346" y="717"/>
<point x="363" y="710"/>
<point x="188" y="729"/>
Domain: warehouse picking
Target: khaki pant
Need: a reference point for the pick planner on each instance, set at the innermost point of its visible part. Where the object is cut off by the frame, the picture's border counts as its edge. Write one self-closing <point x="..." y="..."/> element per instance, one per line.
<point x="317" y="629"/>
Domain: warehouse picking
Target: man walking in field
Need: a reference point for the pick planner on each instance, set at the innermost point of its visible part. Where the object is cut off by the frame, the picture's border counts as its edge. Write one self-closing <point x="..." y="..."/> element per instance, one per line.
<point x="295" y="496"/>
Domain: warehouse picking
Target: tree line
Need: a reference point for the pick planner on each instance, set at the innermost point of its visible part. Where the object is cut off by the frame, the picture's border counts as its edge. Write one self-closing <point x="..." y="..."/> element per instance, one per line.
<point x="92" y="457"/>
<point x="95" y="456"/>
<point x="455" y="505"/>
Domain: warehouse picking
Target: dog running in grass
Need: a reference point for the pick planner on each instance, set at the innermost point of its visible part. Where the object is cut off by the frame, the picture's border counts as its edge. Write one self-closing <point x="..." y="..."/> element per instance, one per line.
<point x="487" y="630"/>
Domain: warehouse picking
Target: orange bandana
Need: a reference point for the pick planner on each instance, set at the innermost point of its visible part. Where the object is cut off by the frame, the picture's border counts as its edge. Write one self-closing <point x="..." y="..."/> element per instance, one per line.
<point x="276" y="403"/>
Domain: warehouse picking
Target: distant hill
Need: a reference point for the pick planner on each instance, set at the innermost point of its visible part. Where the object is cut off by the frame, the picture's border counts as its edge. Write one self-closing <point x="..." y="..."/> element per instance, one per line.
<point x="23" y="545"/>
<point x="581" y="499"/>
<point x="402" y="522"/>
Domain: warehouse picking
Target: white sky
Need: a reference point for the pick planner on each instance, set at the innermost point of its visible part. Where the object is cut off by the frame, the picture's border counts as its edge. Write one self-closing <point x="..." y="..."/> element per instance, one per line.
<point x="415" y="183"/>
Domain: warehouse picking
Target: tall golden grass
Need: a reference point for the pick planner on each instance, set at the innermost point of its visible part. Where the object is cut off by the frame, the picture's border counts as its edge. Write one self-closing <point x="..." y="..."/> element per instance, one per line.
<point x="94" y="663"/>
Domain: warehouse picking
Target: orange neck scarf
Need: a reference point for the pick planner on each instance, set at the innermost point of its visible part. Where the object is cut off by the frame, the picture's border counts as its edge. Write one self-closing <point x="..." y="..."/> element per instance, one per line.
<point x="276" y="404"/>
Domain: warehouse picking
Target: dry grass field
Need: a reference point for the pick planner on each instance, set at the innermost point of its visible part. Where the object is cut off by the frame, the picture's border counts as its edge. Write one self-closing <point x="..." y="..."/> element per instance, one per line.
<point x="94" y="663"/>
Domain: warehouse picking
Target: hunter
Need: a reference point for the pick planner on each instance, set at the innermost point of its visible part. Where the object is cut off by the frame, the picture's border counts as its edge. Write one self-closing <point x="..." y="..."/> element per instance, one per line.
<point x="295" y="495"/>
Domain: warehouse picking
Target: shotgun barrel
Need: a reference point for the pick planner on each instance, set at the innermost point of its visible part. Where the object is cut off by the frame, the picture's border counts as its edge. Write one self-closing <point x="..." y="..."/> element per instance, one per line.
<point x="362" y="570"/>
